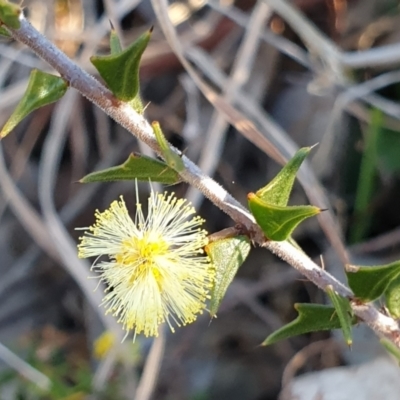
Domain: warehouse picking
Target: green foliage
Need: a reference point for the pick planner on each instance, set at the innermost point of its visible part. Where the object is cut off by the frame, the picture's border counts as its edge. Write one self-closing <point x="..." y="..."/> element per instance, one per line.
<point x="172" y="159"/>
<point x="71" y="379"/>
<point x="120" y="70"/>
<point x="391" y="348"/>
<point x="226" y="255"/>
<point x="392" y="297"/>
<point x="277" y="191"/>
<point x="387" y="148"/>
<point x="115" y="43"/>
<point x="137" y="167"/>
<point x="269" y="204"/>
<point x="9" y="14"/>
<point x="116" y="48"/>
<point x="369" y="283"/>
<point x="43" y="89"/>
<point x="344" y="313"/>
<point x="311" y="318"/>
<point x="4" y="31"/>
<point x="278" y="222"/>
<point x="366" y="179"/>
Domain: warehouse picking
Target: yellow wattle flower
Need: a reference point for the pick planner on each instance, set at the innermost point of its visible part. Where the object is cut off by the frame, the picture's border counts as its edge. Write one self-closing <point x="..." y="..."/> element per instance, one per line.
<point x="156" y="269"/>
<point x="103" y="344"/>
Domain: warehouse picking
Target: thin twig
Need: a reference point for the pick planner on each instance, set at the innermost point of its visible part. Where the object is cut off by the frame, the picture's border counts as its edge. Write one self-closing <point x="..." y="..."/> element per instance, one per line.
<point x="215" y="136"/>
<point x="359" y="91"/>
<point x="69" y="211"/>
<point x="318" y="45"/>
<point x="284" y="45"/>
<point x="382" y="243"/>
<point x="301" y="358"/>
<point x="18" y="56"/>
<point x="335" y="61"/>
<point x="192" y="128"/>
<point x="378" y="56"/>
<point x="51" y="155"/>
<point x="152" y="368"/>
<point x="24" y="211"/>
<point x="104" y="370"/>
<point x="24" y="369"/>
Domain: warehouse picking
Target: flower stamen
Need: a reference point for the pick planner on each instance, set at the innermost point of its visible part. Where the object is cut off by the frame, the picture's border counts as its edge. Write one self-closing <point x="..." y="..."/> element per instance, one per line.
<point x="156" y="270"/>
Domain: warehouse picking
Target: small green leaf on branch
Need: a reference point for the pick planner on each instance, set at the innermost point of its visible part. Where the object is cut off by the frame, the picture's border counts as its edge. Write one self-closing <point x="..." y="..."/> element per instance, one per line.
<point x="172" y="159"/>
<point x="311" y="318"/>
<point x="227" y="256"/>
<point x="278" y="222"/>
<point x="392" y="297"/>
<point x="137" y="167"/>
<point x="115" y="43"/>
<point x="391" y="348"/>
<point x="344" y="313"/>
<point x="370" y="283"/>
<point x="9" y="14"/>
<point x="120" y="71"/>
<point x="4" y="32"/>
<point x="43" y="89"/>
<point x="277" y="191"/>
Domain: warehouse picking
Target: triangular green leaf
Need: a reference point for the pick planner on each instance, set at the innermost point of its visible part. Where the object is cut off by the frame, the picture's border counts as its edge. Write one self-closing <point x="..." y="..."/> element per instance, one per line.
<point x="277" y="191"/>
<point x="311" y="318"/>
<point x="172" y="159"/>
<point x="387" y="146"/>
<point x="115" y="43"/>
<point x="121" y="71"/>
<point x="278" y="222"/>
<point x="42" y="89"/>
<point x="137" y="167"/>
<point x="9" y="14"/>
<point x="116" y="48"/>
<point x="391" y="348"/>
<point x="227" y="255"/>
<point x="344" y="313"/>
<point x="369" y="283"/>
<point x="392" y="297"/>
<point x="4" y="31"/>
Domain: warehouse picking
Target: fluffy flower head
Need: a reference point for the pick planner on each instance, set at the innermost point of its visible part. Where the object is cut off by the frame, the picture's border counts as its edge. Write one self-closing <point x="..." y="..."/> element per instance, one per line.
<point x="155" y="270"/>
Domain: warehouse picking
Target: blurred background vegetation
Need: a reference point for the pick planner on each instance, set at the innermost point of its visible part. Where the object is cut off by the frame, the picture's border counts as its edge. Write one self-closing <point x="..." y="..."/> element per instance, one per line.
<point x="53" y="344"/>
